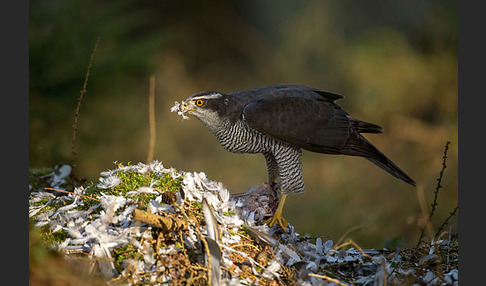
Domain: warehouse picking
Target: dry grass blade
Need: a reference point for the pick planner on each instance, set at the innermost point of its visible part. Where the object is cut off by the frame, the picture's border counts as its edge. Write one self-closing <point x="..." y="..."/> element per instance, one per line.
<point x="328" y="279"/>
<point x="347" y="233"/>
<point x="150" y="153"/>
<point x="446" y="222"/>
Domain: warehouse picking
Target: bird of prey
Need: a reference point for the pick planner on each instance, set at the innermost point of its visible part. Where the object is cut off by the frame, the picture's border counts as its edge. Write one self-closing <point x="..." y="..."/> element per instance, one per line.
<point x="280" y="120"/>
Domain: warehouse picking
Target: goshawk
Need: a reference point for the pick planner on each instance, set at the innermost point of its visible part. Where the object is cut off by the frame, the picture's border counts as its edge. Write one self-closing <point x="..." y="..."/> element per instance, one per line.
<point x="280" y="120"/>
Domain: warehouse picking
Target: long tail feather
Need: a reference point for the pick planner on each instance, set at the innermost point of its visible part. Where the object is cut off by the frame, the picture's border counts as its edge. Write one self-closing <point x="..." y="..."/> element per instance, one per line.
<point x="357" y="145"/>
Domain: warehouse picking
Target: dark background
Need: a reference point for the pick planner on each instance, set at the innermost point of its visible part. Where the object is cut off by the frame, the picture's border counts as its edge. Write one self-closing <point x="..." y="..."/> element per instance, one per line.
<point x="395" y="62"/>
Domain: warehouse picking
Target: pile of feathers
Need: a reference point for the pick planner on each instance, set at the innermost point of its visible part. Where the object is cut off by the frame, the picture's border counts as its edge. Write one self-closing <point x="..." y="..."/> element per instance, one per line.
<point x="223" y="240"/>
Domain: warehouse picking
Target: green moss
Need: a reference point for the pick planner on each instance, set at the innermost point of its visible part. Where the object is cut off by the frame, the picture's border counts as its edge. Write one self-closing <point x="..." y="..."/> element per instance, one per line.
<point x="244" y="230"/>
<point x="131" y="181"/>
<point x="36" y="180"/>
<point x="88" y="199"/>
<point x="144" y="199"/>
<point x="52" y="206"/>
<point x="168" y="183"/>
<point x="49" y="238"/>
<point x="230" y="212"/>
<point x="125" y="252"/>
<point x="42" y="202"/>
<point x="37" y="172"/>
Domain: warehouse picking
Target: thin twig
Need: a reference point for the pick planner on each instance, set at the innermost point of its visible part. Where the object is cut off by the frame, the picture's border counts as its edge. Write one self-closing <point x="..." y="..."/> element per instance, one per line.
<point x="325" y="277"/>
<point x="439" y="180"/>
<point x="246" y="244"/>
<point x="80" y="98"/>
<point x="436" y="193"/>
<point x="63" y="191"/>
<point x="150" y="153"/>
<point x="441" y="228"/>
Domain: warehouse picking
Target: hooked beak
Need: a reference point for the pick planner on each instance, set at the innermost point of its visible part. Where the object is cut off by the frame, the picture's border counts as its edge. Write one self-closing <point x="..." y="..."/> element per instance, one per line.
<point x="184" y="107"/>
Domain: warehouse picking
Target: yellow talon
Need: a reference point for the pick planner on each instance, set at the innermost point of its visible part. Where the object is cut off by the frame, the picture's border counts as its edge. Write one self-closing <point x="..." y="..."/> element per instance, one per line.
<point x="277" y="217"/>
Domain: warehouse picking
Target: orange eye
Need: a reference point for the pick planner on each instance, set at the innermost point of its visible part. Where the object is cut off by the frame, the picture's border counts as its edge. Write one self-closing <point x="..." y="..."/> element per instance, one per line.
<point x="199" y="102"/>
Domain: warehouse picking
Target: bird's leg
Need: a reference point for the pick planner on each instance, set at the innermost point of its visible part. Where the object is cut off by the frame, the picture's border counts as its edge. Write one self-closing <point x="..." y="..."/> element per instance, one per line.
<point x="277" y="217"/>
<point x="273" y="170"/>
<point x="272" y="167"/>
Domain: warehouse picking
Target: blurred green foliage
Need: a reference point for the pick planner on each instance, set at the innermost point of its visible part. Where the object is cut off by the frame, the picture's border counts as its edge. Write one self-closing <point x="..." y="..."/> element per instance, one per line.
<point x="396" y="63"/>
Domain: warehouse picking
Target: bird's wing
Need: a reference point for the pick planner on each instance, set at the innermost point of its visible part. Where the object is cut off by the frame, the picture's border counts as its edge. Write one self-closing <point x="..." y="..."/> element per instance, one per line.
<point x="317" y="125"/>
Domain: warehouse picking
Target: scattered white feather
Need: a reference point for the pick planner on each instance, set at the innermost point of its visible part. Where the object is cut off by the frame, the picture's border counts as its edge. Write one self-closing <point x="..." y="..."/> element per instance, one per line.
<point x="328" y="246"/>
<point x="319" y="246"/>
<point x="312" y="266"/>
<point x="290" y="254"/>
<point x="147" y="190"/>
<point x="58" y="175"/>
<point x="272" y="269"/>
<point x="108" y="182"/>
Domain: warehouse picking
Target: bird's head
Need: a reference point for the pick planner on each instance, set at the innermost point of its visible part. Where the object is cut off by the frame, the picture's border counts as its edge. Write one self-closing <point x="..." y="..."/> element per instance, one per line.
<point x="207" y="106"/>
